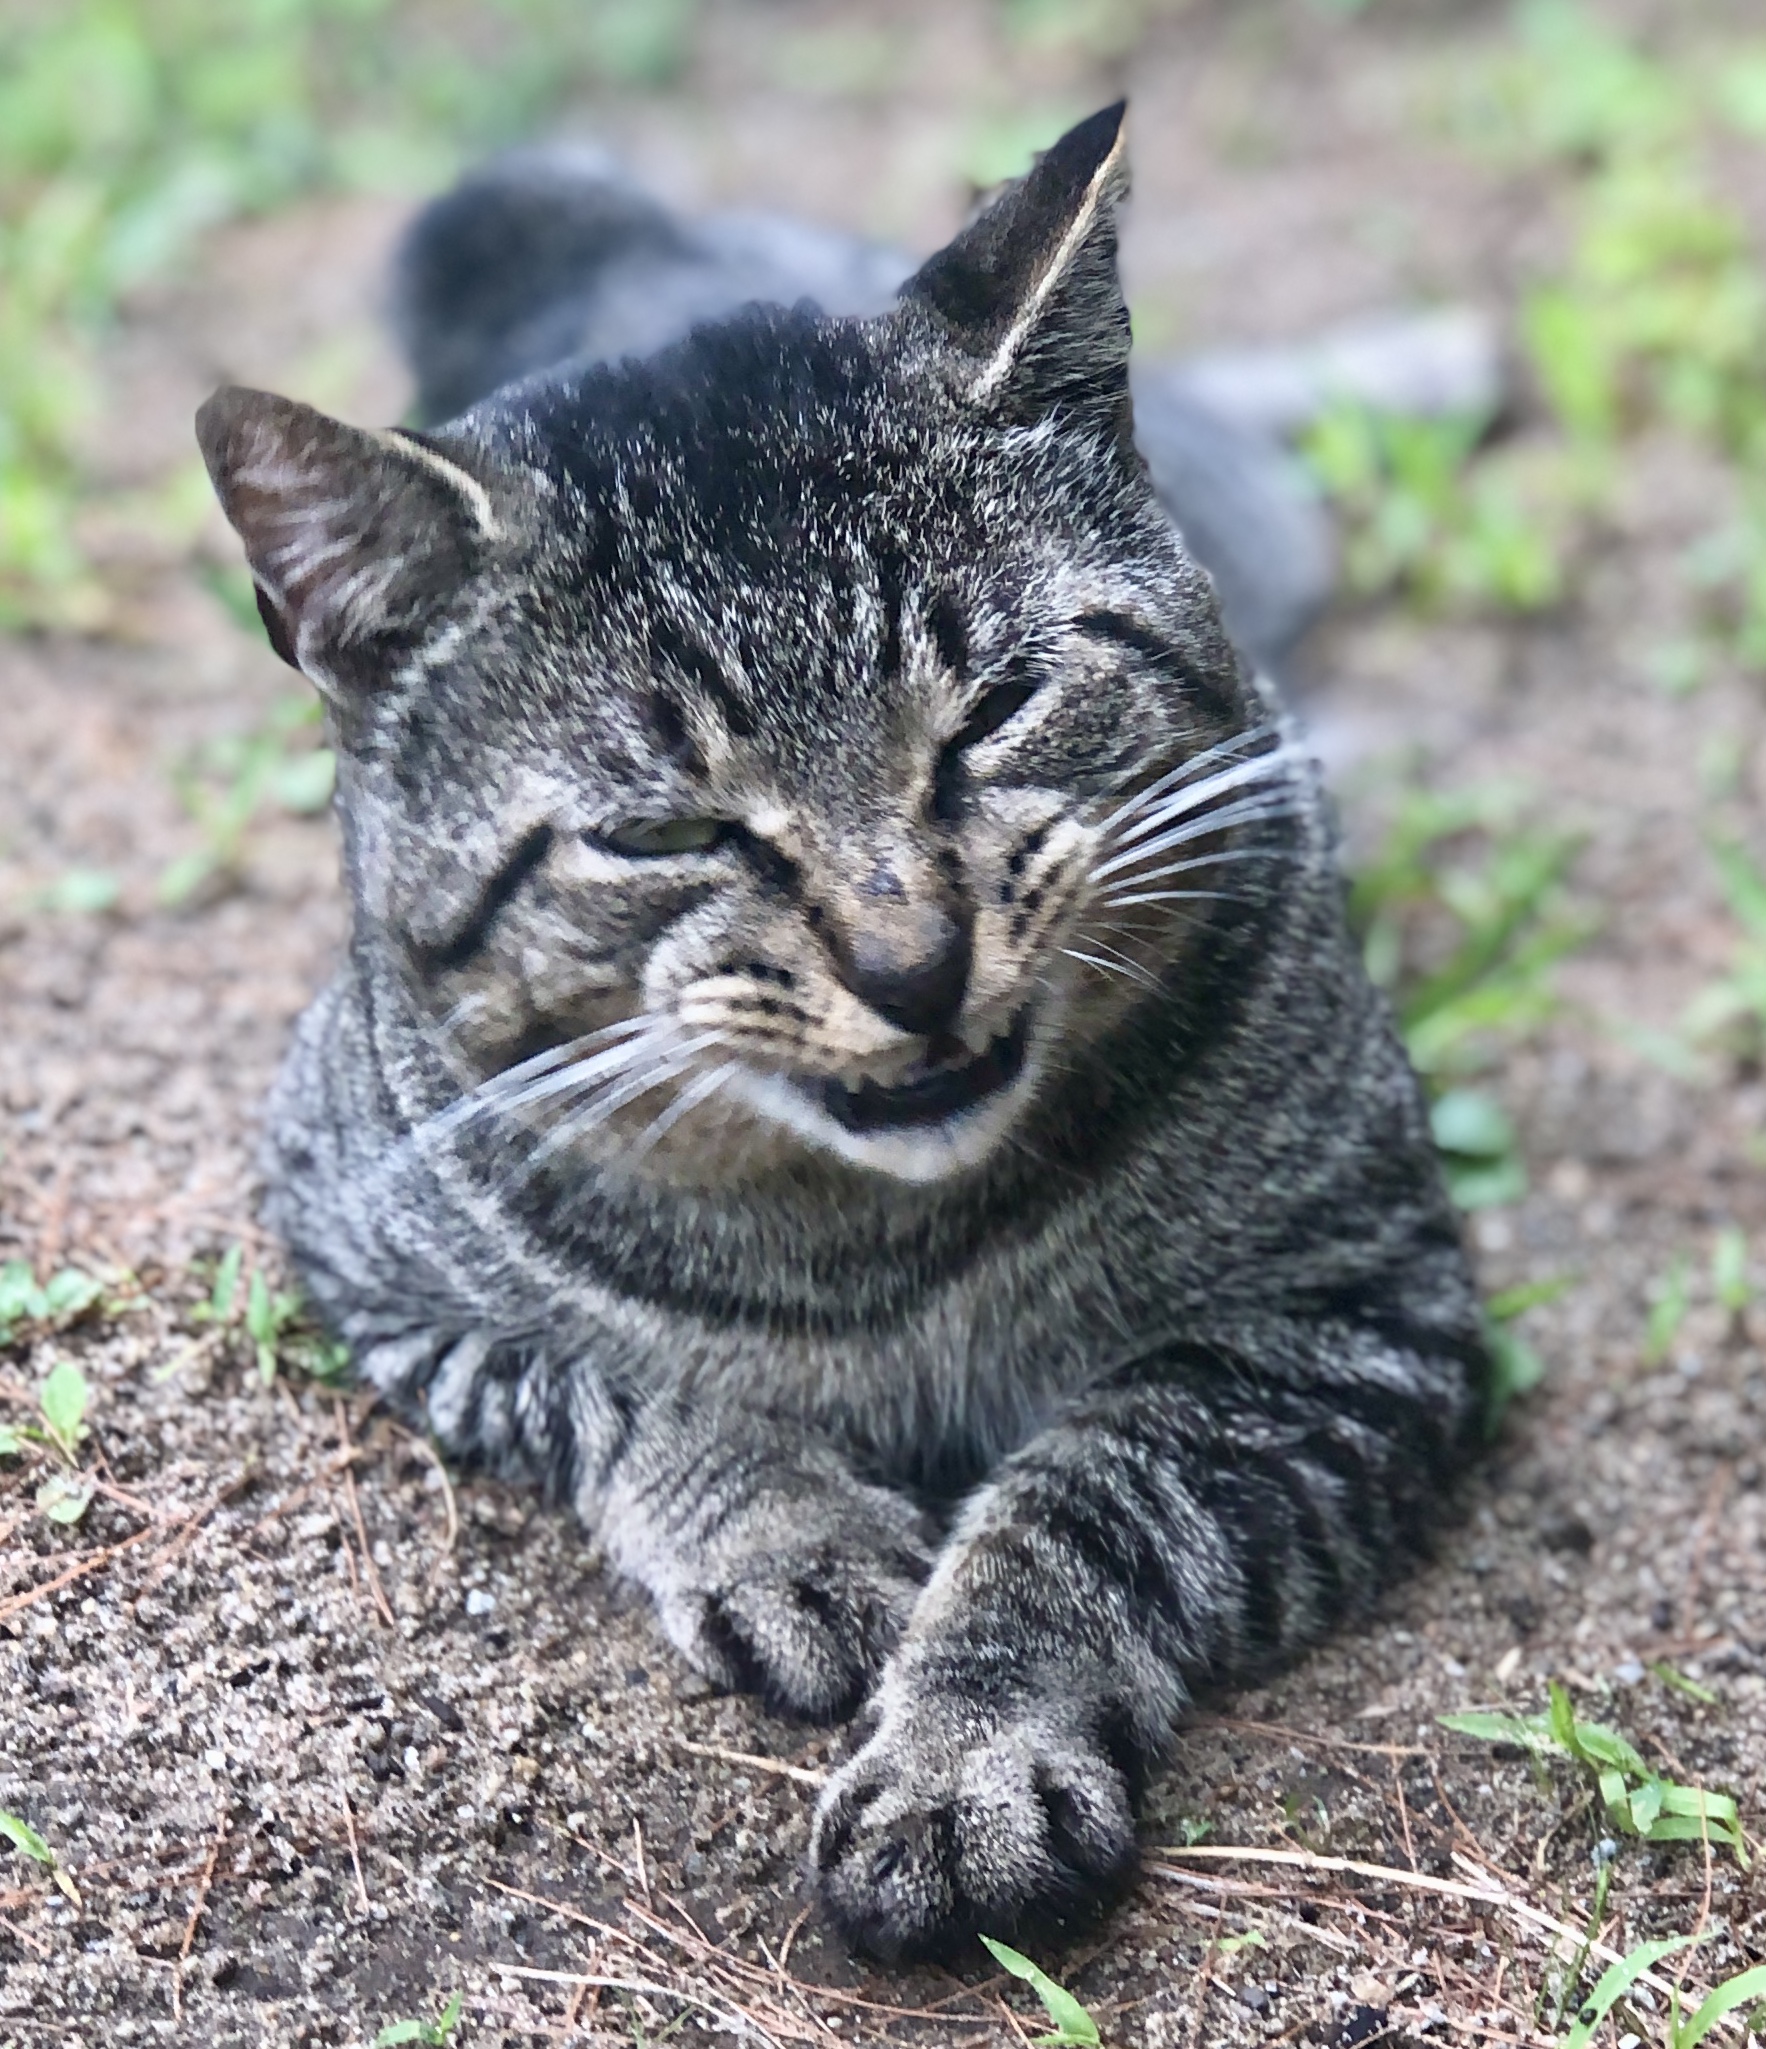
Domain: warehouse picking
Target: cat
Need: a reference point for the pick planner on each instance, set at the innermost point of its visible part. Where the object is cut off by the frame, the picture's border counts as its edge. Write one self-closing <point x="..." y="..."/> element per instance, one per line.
<point x="851" y="1067"/>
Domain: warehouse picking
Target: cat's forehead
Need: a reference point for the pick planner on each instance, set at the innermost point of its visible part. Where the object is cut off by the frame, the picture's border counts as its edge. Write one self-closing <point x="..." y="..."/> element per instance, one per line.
<point x="779" y="447"/>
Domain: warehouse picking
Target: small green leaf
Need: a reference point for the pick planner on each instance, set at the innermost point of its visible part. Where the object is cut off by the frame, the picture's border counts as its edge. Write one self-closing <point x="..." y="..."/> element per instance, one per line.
<point x="22" y="1836"/>
<point x="1073" y="2025"/>
<point x="63" y="1398"/>
<point x="1484" y="1185"/>
<point x="1509" y="1303"/>
<point x="1616" y="1800"/>
<point x="19" y="1293"/>
<point x="262" y="1324"/>
<point x="1560" y="1717"/>
<point x="82" y="892"/>
<point x="1594" y="1743"/>
<point x="1679" y="1683"/>
<point x="1645" y="1804"/>
<point x="180" y="879"/>
<point x="1729" y="1270"/>
<point x="304" y="784"/>
<point x="260" y="1317"/>
<point x="1492" y="1728"/>
<point x="11" y="1441"/>
<point x="220" y="1302"/>
<point x="70" y="1291"/>
<point x="1516" y="1369"/>
<point x="1467" y="1121"/>
<point x="63" y="1499"/>
<point x="1672" y="1298"/>
<point x="435" y="2034"/>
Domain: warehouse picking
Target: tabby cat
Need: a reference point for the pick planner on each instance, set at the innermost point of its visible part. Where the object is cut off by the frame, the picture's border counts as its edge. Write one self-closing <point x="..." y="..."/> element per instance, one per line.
<point x="850" y="1067"/>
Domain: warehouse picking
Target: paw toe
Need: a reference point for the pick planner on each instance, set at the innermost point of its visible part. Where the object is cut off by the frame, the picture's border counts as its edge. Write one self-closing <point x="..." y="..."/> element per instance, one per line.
<point x="914" y="1861"/>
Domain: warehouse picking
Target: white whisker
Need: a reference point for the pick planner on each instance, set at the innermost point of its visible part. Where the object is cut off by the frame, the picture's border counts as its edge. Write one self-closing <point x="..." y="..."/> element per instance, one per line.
<point x="689" y="1099"/>
<point x="1183" y="802"/>
<point x="1208" y="861"/>
<point x="1173" y="896"/>
<point x="502" y="1090"/>
<point x="615" y="1097"/>
<point x="1251" y="810"/>
<point x="1129" y="970"/>
<point x="1183" y="773"/>
<point x="1185" y="798"/>
<point x="582" y="1074"/>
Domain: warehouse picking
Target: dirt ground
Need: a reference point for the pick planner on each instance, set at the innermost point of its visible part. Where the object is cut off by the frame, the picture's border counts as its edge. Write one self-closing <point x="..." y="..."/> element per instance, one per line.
<point x="323" y="1734"/>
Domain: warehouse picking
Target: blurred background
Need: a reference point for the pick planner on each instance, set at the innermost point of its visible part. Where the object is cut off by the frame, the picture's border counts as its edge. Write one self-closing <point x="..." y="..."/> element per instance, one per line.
<point x="1585" y="172"/>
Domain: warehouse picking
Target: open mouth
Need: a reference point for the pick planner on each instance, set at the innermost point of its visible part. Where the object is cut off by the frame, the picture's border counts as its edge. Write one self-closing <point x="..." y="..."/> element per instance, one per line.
<point x="939" y="1091"/>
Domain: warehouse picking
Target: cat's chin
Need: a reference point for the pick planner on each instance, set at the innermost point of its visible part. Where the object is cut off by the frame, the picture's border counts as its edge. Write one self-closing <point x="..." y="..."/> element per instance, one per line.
<point x="938" y="1123"/>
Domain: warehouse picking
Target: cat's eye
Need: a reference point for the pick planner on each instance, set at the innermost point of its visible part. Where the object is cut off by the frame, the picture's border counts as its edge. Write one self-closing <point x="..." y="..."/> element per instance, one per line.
<point x="992" y="709"/>
<point x="652" y="836"/>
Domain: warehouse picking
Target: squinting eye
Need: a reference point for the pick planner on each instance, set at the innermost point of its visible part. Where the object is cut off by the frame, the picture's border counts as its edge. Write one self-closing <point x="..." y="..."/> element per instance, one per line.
<point x="992" y="710"/>
<point x="640" y="836"/>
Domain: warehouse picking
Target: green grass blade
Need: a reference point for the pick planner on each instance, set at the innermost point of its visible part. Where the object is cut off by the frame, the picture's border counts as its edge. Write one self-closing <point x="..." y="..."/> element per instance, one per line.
<point x="1073" y="2025"/>
<point x="22" y="1836"/>
<point x="220" y="1301"/>
<point x="1615" y="1981"/>
<point x="1741" y="1990"/>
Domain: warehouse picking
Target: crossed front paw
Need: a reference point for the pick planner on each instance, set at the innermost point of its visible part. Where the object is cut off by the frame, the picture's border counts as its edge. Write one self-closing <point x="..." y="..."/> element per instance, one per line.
<point x="804" y="1608"/>
<point x="955" y="1821"/>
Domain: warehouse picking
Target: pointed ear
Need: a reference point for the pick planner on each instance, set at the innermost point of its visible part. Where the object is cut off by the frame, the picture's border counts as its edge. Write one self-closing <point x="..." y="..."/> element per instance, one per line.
<point x="352" y="536"/>
<point x="1029" y="291"/>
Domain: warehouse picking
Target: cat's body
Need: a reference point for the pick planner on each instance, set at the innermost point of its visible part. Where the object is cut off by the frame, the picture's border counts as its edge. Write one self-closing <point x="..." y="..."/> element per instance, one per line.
<point x="851" y="1066"/>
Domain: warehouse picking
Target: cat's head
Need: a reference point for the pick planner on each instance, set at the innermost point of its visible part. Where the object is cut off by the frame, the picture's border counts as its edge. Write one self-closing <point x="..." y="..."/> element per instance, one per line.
<point x="800" y="738"/>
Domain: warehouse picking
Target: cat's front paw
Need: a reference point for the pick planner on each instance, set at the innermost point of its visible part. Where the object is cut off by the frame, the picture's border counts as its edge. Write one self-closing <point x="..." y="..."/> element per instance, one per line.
<point x="955" y="1821"/>
<point x="803" y="1616"/>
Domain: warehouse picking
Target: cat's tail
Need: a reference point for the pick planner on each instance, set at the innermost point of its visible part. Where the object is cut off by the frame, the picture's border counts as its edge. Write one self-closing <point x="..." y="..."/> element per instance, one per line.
<point x="544" y="254"/>
<point x="489" y="280"/>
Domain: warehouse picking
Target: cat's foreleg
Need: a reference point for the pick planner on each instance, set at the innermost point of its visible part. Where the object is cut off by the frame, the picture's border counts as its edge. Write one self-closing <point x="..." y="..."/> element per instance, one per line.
<point x="1156" y="1537"/>
<point x="774" y="1568"/>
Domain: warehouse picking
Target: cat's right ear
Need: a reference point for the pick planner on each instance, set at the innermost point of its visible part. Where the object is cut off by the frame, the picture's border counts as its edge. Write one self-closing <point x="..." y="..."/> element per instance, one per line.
<point x="353" y="537"/>
<point x="1027" y="296"/>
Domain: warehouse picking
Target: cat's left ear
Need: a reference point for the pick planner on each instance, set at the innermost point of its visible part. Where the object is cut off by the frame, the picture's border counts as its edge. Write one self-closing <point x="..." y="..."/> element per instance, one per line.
<point x="354" y="537"/>
<point x="1028" y="293"/>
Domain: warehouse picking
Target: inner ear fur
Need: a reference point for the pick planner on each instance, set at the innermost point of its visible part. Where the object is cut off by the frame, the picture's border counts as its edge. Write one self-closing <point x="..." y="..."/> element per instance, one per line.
<point x="1029" y="291"/>
<point x="353" y="535"/>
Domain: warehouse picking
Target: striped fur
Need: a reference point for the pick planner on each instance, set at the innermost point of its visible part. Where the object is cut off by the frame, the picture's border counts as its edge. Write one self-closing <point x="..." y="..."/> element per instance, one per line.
<point x="957" y="1224"/>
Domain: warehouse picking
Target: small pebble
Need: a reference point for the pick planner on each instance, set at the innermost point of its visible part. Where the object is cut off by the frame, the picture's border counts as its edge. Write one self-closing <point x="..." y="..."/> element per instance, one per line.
<point x="478" y="1602"/>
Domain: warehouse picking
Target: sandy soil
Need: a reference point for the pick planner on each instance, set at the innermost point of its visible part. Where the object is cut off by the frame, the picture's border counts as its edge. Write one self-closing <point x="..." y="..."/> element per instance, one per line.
<point x="323" y="1734"/>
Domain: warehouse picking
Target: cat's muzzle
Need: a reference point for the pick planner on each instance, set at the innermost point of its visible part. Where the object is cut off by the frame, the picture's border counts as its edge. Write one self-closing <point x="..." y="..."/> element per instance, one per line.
<point x="936" y="1091"/>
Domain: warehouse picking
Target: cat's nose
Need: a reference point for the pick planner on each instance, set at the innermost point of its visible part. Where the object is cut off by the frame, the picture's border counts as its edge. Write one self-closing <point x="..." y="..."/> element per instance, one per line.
<point x="912" y="969"/>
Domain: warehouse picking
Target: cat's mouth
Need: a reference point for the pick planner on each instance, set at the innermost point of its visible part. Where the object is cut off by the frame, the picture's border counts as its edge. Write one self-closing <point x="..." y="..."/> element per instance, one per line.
<point x="938" y="1090"/>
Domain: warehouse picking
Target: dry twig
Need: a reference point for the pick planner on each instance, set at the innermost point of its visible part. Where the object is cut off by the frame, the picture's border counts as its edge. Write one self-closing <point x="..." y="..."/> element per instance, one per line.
<point x="349" y="1822"/>
<point x="776" y="1765"/>
<point x="375" y="1589"/>
<point x="203" y="1883"/>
